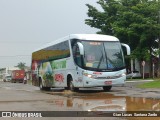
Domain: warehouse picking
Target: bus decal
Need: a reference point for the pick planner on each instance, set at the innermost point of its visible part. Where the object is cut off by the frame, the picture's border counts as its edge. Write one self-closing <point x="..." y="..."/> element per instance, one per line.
<point x="59" y="64"/>
<point x="59" y="78"/>
<point x="79" y="80"/>
<point x="47" y="73"/>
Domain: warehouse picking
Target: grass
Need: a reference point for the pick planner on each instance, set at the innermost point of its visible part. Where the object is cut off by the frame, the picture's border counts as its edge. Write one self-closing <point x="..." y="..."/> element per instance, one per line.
<point x="134" y="79"/>
<point x="153" y="84"/>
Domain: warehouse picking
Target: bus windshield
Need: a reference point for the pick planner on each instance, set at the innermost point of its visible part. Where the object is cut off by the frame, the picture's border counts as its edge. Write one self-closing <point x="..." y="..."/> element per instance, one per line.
<point x="103" y="56"/>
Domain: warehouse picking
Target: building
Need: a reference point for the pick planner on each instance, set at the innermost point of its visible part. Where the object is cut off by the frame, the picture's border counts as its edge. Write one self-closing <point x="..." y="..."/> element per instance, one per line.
<point x="7" y="71"/>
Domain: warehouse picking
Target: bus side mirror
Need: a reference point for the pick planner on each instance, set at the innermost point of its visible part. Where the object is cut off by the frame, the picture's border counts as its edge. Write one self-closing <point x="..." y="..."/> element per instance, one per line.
<point x="127" y="48"/>
<point x="81" y="48"/>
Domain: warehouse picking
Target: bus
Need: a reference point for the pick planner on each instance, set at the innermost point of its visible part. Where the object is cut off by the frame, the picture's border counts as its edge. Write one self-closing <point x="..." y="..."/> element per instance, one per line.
<point x="80" y="61"/>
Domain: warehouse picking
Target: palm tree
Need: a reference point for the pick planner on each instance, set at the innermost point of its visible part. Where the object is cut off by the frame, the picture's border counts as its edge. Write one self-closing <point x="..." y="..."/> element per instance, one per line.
<point x="21" y="65"/>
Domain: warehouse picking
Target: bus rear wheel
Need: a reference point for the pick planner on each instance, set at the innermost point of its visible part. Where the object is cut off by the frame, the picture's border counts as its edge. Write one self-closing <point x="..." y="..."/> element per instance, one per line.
<point x="41" y="86"/>
<point x="107" y="88"/>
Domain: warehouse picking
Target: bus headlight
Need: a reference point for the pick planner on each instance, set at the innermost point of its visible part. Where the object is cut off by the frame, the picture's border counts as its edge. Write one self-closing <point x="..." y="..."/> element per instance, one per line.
<point x="90" y="75"/>
<point x="123" y="74"/>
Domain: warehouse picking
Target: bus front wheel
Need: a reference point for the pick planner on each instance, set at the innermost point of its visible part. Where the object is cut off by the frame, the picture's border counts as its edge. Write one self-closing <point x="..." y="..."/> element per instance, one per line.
<point x="72" y="88"/>
<point x="107" y="88"/>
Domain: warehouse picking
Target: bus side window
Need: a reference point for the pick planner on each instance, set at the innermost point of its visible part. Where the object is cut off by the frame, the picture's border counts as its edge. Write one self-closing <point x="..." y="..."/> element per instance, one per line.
<point x="76" y="55"/>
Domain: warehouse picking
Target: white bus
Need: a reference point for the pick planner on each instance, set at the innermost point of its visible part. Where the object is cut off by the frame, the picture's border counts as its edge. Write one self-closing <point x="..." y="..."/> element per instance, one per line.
<point x="79" y="61"/>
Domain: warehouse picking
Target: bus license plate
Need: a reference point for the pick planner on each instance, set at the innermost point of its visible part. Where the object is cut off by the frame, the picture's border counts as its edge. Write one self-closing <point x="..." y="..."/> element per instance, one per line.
<point x="108" y="82"/>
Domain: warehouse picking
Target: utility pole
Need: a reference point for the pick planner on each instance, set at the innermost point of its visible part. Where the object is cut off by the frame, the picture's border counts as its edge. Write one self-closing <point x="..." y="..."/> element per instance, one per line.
<point x="159" y="45"/>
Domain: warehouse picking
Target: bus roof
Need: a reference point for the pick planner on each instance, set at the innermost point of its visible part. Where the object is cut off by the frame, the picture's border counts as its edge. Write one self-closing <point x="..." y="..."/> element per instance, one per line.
<point x="96" y="37"/>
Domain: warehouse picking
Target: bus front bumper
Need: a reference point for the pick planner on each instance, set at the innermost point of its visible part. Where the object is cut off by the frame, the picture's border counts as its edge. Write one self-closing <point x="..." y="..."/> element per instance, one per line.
<point x="103" y="82"/>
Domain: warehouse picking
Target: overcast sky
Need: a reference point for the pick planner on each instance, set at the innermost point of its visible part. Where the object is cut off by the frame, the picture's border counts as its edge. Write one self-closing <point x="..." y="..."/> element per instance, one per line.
<point x="28" y="24"/>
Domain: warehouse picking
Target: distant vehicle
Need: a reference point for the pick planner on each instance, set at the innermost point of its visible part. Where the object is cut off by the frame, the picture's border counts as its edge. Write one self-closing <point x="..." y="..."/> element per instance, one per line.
<point x="7" y="78"/>
<point x="134" y="74"/>
<point x="18" y="75"/>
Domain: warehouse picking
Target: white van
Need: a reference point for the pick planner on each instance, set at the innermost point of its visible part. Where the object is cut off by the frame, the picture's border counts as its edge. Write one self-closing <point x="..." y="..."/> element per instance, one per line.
<point x="7" y="78"/>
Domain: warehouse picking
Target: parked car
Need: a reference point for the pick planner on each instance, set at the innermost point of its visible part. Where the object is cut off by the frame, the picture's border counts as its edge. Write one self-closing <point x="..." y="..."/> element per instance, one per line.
<point x="134" y="74"/>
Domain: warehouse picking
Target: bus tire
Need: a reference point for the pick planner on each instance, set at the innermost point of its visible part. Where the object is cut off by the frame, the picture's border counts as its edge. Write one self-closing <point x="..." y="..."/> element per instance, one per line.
<point x="107" y="88"/>
<point x="41" y="86"/>
<point x="72" y="88"/>
<point x="66" y="88"/>
<point x="47" y="88"/>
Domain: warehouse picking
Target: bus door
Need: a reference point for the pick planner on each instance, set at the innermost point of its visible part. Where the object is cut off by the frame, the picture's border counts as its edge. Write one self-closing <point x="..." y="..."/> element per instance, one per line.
<point x="79" y="77"/>
<point x="78" y="60"/>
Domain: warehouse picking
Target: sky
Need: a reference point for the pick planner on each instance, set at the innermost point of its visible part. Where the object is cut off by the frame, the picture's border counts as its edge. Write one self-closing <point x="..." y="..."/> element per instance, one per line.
<point x="26" y="25"/>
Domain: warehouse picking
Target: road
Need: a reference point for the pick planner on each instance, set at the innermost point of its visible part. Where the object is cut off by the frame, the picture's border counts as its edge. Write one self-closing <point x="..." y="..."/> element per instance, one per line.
<point x="24" y="97"/>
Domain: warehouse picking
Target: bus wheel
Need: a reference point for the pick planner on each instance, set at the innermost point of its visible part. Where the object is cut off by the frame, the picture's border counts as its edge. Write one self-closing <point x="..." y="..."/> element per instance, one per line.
<point x="66" y="88"/>
<point x="107" y="88"/>
<point x="41" y="86"/>
<point x="72" y="88"/>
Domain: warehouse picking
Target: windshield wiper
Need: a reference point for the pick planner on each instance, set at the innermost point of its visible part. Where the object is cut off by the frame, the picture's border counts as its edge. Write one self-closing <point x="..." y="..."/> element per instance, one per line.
<point x="100" y="61"/>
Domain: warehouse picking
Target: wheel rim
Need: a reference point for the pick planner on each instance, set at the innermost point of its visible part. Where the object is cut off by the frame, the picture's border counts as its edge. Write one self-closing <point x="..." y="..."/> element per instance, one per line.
<point x="40" y="85"/>
<point x="71" y="85"/>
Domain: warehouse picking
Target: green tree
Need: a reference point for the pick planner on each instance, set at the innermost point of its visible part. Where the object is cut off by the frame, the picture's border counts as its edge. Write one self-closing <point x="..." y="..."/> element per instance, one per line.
<point x="21" y="65"/>
<point x="134" y="22"/>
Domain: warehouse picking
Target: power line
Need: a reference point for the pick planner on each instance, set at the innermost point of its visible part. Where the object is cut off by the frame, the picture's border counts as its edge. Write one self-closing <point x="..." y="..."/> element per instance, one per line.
<point x="16" y="56"/>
